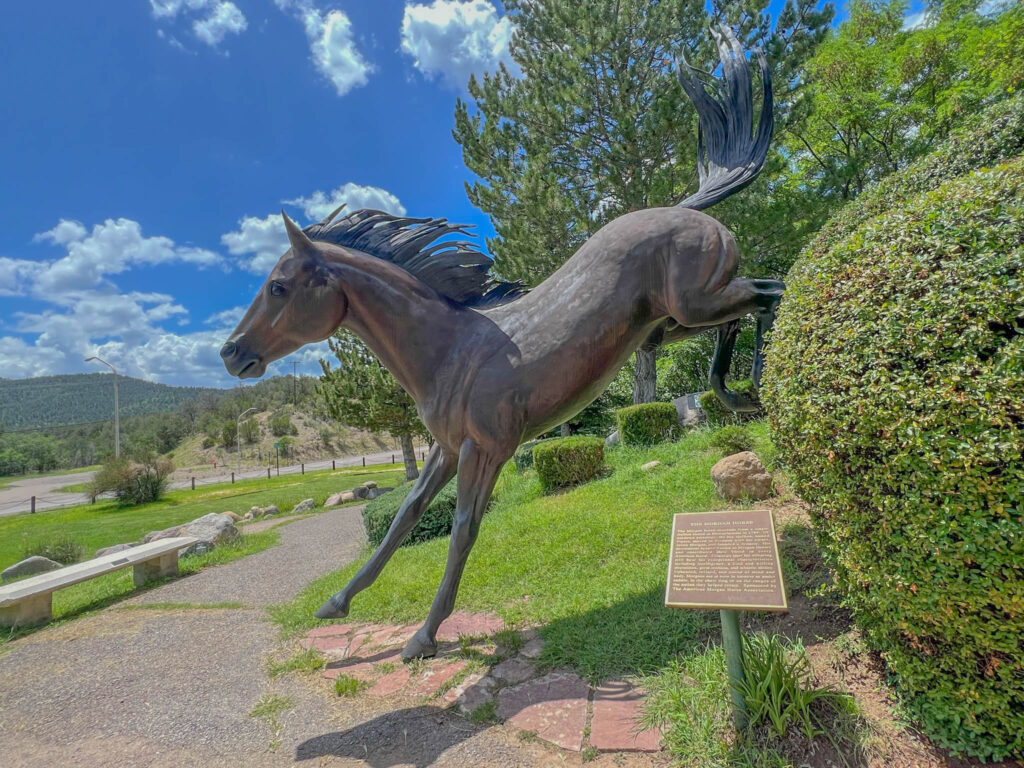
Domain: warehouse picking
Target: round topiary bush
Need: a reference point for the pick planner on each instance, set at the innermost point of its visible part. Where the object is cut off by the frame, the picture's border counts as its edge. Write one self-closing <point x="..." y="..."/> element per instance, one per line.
<point x="895" y="390"/>
<point x="647" y="423"/>
<point x="732" y="439"/>
<point x="568" y="461"/>
<point x="523" y="457"/>
<point x="379" y="513"/>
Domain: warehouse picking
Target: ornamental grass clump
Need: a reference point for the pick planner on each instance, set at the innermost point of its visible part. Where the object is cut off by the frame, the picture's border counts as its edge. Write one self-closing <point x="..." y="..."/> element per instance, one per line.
<point x="568" y="461"/>
<point x="895" y="390"/>
<point x="647" y="423"/>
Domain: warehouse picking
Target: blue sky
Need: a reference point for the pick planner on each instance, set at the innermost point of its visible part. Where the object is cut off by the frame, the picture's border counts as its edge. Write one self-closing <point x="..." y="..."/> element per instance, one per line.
<point x="149" y="144"/>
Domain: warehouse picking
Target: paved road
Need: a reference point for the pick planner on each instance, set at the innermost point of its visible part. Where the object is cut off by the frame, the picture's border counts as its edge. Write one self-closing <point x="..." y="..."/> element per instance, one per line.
<point x="16" y="498"/>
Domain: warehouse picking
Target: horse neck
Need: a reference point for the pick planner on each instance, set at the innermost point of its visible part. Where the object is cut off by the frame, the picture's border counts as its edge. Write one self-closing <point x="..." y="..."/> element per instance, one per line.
<point x="406" y="324"/>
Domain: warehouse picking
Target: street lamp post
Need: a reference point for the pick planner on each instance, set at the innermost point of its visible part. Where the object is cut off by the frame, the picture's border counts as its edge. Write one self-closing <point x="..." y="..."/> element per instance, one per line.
<point x="117" y="419"/>
<point x="238" y="435"/>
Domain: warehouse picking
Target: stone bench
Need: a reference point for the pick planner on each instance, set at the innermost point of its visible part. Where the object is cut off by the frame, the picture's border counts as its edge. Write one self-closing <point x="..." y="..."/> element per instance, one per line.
<point x="30" y="601"/>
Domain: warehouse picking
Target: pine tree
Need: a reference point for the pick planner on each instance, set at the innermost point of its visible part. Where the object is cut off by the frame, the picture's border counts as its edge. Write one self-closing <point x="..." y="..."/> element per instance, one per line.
<point x="594" y="124"/>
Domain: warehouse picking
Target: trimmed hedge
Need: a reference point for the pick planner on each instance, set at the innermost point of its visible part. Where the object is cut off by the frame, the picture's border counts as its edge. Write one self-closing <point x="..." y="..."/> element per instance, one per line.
<point x="732" y="439"/>
<point x="436" y="520"/>
<point x="895" y="389"/>
<point x="568" y="461"/>
<point x="718" y="415"/>
<point x="523" y="457"/>
<point x="647" y="423"/>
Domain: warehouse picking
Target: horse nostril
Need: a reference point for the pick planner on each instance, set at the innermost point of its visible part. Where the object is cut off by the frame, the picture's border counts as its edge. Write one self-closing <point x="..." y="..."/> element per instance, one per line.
<point x="228" y="350"/>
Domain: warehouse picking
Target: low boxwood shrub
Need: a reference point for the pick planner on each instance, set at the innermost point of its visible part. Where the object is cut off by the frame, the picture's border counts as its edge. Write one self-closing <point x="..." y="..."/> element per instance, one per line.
<point x="732" y="439"/>
<point x="436" y="520"/>
<point x="895" y="391"/>
<point x="647" y="423"/>
<point x="568" y="461"/>
<point x="718" y="415"/>
<point x="523" y="457"/>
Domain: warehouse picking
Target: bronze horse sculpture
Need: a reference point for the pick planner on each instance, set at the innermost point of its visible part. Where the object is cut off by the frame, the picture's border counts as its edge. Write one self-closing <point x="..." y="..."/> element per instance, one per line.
<point x="490" y="365"/>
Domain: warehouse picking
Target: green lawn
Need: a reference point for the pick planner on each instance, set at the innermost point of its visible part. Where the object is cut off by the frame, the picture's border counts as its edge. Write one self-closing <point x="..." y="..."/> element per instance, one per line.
<point x="105" y="523"/>
<point x="590" y="564"/>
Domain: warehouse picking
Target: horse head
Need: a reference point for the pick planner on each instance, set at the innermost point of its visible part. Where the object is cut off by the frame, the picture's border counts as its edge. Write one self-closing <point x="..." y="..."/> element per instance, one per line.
<point x="300" y="303"/>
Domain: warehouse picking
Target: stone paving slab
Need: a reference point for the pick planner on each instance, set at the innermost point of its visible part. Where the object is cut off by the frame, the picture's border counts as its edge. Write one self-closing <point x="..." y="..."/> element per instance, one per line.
<point x="615" y="724"/>
<point x="554" y="707"/>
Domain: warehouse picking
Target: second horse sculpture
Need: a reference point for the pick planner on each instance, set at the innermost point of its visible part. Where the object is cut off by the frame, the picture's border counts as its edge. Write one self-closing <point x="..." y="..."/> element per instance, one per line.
<point x="490" y="365"/>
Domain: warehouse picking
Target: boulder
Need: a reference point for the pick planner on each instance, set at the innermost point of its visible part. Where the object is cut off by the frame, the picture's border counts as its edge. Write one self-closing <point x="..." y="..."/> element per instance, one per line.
<point x="29" y="566"/>
<point x="233" y="515"/>
<point x="254" y="512"/>
<point x="373" y="493"/>
<point x="304" y="506"/>
<point x="270" y="510"/>
<point x="688" y="410"/>
<point x="360" y="492"/>
<point x="248" y="515"/>
<point x="211" y="530"/>
<point x="370" y="484"/>
<point x="339" y="498"/>
<point x="650" y="465"/>
<point x="741" y="475"/>
<point x="111" y="550"/>
<point x="613" y="439"/>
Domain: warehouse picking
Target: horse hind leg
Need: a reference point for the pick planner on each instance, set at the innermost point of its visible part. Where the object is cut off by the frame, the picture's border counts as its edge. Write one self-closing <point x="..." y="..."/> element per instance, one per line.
<point x="478" y="472"/>
<point x="438" y="469"/>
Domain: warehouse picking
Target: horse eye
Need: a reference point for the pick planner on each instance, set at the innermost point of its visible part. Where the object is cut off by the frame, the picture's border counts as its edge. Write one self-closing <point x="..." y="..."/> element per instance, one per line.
<point x="276" y="289"/>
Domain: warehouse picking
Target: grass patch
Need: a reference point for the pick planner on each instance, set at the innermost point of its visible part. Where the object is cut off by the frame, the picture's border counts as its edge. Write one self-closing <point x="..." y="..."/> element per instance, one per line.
<point x="271" y="705"/>
<point x="75" y="488"/>
<point x="484" y="714"/>
<point x="307" y="662"/>
<point x="346" y="685"/>
<point x="588" y="564"/>
<point x="105" y="522"/>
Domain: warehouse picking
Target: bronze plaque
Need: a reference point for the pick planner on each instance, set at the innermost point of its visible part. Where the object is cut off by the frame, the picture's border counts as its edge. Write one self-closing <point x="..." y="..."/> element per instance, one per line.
<point x="725" y="559"/>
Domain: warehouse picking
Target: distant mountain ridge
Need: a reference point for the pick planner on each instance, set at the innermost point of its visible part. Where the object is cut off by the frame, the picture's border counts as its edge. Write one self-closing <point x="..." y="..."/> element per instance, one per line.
<point x="50" y="401"/>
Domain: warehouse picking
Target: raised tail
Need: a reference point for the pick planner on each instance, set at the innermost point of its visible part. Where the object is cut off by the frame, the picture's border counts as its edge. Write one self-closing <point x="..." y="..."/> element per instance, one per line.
<point x="730" y="153"/>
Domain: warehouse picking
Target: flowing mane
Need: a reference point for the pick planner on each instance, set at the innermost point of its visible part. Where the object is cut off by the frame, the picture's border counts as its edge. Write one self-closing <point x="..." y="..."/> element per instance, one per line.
<point x="453" y="268"/>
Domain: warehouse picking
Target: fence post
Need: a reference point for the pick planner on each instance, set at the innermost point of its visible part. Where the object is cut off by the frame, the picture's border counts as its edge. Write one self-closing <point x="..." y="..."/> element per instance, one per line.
<point x="364" y="461"/>
<point x="232" y="477"/>
<point x="303" y="466"/>
<point x="268" y="473"/>
<point x="332" y="464"/>
<point x="33" y="505"/>
<point x="193" y="483"/>
<point x="392" y="458"/>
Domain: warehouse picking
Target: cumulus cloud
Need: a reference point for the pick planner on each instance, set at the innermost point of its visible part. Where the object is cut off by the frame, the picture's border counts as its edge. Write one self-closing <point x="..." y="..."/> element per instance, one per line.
<point x="453" y="39"/>
<point x="112" y="247"/>
<point x="332" y="46"/>
<point x="212" y="20"/>
<point x="15" y="275"/>
<point x="262" y="241"/>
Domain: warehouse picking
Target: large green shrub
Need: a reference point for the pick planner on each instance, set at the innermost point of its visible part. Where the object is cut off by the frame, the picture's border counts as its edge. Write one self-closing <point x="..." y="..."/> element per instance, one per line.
<point x="436" y="521"/>
<point x="133" y="482"/>
<point x="647" y="423"/>
<point x="523" y="457"/>
<point x="568" y="461"/>
<point x="895" y="389"/>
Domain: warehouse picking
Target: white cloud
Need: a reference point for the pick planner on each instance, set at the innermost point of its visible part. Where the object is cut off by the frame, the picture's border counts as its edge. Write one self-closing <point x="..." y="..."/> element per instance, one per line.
<point x="264" y="240"/>
<point x="456" y="38"/>
<point x="112" y="247"/>
<point x="332" y="46"/>
<point x="15" y="275"/>
<point x="212" y="20"/>
<point x="224" y="19"/>
<point x="353" y="196"/>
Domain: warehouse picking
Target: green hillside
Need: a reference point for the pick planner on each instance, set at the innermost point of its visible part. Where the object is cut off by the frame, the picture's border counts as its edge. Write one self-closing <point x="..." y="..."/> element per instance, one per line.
<point x="84" y="397"/>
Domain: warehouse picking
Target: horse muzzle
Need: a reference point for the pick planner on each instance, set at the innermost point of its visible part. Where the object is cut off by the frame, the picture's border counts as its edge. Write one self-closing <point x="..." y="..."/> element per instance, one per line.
<point x="241" y="362"/>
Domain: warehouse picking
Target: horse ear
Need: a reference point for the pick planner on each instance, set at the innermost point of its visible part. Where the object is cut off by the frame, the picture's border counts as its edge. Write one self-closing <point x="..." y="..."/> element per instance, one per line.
<point x="299" y="240"/>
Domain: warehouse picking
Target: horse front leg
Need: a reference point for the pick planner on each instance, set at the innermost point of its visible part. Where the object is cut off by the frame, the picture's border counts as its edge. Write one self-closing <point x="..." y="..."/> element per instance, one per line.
<point x="478" y="472"/>
<point x="438" y="469"/>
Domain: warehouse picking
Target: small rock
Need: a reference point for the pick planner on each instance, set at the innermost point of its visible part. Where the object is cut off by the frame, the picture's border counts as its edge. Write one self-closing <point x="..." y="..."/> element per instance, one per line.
<point x="233" y="515"/>
<point x="650" y="465"/>
<point x="360" y="492"/>
<point x="333" y="500"/>
<point x="532" y="649"/>
<point x="741" y="475"/>
<point x="613" y="439"/>
<point x="304" y="506"/>
<point x="271" y="510"/>
<point x="254" y="512"/>
<point x="111" y="550"/>
<point x="28" y="566"/>
<point x="248" y="516"/>
<point x="370" y="484"/>
<point x="514" y="671"/>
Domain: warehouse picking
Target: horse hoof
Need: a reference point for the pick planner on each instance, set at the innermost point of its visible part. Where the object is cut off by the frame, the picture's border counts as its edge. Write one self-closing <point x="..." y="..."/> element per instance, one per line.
<point x="332" y="610"/>
<point x="419" y="647"/>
